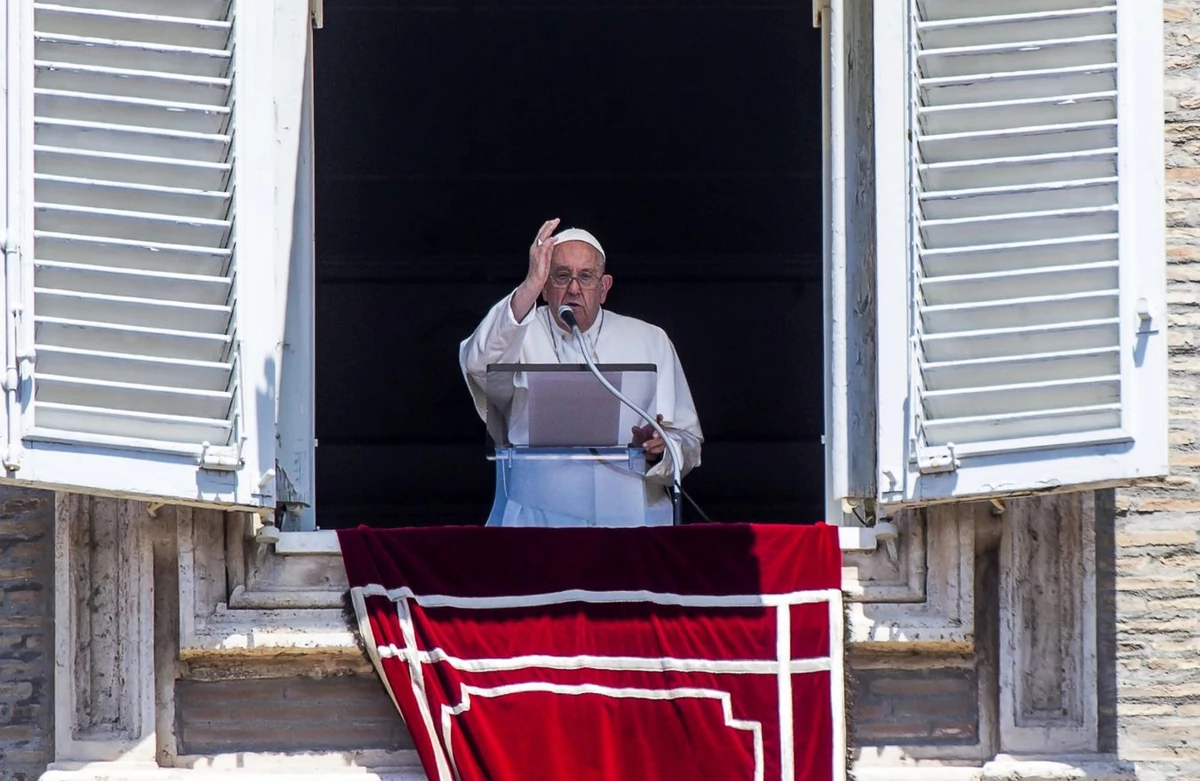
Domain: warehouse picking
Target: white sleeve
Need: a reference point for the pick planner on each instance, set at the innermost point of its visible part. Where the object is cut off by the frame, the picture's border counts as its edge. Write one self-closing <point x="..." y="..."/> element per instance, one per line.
<point x="689" y="449"/>
<point x="680" y="420"/>
<point x="497" y="339"/>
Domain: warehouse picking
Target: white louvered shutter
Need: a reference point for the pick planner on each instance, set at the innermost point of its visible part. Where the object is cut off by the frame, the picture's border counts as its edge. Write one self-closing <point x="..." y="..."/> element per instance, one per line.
<point x="1021" y="260"/>
<point x="147" y="336"/>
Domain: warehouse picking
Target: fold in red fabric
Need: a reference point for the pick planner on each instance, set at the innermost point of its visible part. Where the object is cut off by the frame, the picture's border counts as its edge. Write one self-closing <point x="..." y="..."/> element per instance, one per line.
<point x="661" y="654"/>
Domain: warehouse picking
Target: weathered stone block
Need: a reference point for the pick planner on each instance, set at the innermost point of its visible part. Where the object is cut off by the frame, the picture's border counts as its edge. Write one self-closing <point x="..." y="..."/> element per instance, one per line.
<point x="276" y="714"/>
<point x="933" y="706"/>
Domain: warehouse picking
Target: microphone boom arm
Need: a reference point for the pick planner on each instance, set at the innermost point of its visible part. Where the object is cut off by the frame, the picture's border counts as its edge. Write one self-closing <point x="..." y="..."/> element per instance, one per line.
<point x="568" y="317"/>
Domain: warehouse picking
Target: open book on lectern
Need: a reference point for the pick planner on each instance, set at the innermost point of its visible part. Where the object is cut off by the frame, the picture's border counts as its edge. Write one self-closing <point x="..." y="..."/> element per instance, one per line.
<point x="563" y="405"/>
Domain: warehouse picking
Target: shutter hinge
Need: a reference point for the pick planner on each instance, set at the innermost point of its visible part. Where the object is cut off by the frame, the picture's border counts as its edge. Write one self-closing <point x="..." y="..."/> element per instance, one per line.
<point x="18" y="367"/>
<point x="818" y="9"/>
<point x="25" y="355"/>
<point x="935" y="460"/>
<point x="267" y="485"/>
<point x="1146" y="323"/>
<point x="222" y="459"/>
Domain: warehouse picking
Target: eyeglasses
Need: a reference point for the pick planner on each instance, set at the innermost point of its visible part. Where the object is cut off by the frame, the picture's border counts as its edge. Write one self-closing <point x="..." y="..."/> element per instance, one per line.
<point x="586" y="279"/>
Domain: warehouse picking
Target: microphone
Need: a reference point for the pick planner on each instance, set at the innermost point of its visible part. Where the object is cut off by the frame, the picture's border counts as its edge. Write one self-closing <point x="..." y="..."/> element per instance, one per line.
<point x="567" y="315"/>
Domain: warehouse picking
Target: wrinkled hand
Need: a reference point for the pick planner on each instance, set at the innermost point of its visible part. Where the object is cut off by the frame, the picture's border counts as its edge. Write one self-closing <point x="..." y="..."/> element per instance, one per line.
<point x="650" y="440"/>
<point x="540" y="253"/>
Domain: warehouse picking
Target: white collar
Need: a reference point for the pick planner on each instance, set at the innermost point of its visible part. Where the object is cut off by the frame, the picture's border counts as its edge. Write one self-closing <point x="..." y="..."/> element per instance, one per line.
<point x="561" y="337"/>
<point x="592" y="331"/>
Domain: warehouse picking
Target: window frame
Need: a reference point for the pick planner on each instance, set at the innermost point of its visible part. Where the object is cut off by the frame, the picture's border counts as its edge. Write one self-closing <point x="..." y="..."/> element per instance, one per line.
<point x="296" y="414"/>
<point x="849" y="260"/>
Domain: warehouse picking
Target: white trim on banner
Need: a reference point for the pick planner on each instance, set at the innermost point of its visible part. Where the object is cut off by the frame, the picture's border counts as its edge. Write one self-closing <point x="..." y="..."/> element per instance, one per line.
<point x="725" y="698"/>
<point x="783" y="666"/>
<point x="602" y="597"/>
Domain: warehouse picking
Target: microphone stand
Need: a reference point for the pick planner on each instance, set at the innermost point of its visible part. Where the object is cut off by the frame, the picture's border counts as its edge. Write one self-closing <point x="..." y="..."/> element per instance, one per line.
<point x="567" y="315"/>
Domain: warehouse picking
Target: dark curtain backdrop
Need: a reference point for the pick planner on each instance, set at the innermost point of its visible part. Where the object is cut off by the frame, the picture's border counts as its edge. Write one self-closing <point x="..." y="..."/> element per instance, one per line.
<point x="685" y="135"/>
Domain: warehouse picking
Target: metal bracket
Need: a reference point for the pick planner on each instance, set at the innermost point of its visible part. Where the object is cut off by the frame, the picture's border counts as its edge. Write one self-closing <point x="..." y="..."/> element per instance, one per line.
<point x="268" y="532"/>
<point x="818" y="8"/>
<point x="887" y="533"/>
<point x="222" y="459"/>
<point x="935" y="460"/>
<point x="18" y="363"/>
<point x="1145" y="318"/>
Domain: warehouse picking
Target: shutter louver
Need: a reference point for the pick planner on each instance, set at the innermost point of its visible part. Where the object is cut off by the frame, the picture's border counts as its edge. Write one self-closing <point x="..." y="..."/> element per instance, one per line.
<point x="1016" y="224"/>
<point x="1020" y="256"/>
<point x="133" y="233"/>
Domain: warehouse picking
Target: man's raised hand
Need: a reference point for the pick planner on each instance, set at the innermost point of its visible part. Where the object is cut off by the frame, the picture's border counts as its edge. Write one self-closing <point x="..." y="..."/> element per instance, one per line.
<point x="540" y="254"/>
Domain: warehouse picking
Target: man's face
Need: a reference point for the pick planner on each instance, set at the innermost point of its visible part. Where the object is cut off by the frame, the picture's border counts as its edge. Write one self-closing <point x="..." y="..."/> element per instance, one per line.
<point x="577" y="279"/>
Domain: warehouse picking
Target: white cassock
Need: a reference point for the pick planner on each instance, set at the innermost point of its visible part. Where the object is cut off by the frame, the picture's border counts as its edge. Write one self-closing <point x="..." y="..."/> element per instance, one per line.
<point x="584" y="493"/>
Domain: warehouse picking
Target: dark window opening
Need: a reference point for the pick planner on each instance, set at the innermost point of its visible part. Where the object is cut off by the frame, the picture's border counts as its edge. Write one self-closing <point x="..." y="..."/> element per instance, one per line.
<point x="685" y="135"/>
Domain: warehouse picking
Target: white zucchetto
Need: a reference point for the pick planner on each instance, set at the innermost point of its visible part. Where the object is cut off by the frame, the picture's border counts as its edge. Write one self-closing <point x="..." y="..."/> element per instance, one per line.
<point x="578" y="234"/>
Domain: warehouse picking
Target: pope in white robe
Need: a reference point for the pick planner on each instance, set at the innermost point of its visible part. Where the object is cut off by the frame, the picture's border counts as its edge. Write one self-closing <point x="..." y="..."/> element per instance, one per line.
<point x="569" y="269"/>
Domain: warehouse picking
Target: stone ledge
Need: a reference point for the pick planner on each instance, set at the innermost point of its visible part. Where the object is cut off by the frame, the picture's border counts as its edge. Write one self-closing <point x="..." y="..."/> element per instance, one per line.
<point x="314" y="543"/>
<point x="325" y="543"/>
<point x="1099" y="768"/>
<point x="368" y="765"/>
<point x="268" y="634"/>
<point x="241" y="599"/>
<point x="272" y="768"/>
<point x="1091" y="769"/>
<point x="119" y="772"/>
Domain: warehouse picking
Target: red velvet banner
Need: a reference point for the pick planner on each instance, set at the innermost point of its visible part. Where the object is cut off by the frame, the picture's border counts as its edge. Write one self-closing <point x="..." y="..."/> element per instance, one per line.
<point x="659" y="654"/>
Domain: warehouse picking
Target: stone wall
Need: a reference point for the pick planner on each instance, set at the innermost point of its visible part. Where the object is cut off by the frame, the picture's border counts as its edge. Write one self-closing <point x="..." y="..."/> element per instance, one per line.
<point x="1157" y="550"/>
<point x="26" y="633"/>
<point x="925" y="706"/>
<point x="287" y="714"/>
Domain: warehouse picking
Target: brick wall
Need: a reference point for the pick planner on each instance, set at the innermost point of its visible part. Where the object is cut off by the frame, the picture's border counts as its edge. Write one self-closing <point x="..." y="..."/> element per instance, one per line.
<point x="1157" y="550"/>
<point x="26" y="632"/>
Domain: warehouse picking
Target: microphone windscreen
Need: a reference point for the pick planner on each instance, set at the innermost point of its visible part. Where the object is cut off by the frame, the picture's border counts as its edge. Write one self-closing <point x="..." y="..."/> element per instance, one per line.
<point x="567" y="315"/>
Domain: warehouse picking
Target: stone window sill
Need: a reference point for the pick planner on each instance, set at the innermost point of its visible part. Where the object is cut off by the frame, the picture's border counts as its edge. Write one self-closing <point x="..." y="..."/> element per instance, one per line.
<point x="245" y="767"/>
<point x="324" y="543"/>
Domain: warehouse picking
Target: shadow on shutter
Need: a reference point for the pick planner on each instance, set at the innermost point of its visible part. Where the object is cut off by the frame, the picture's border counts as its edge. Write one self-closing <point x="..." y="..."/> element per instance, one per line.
<point x="133" y="281"/>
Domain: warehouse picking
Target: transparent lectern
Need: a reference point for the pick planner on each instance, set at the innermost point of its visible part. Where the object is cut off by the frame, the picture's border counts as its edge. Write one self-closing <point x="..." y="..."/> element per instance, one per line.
<point x="560" y="442"/>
